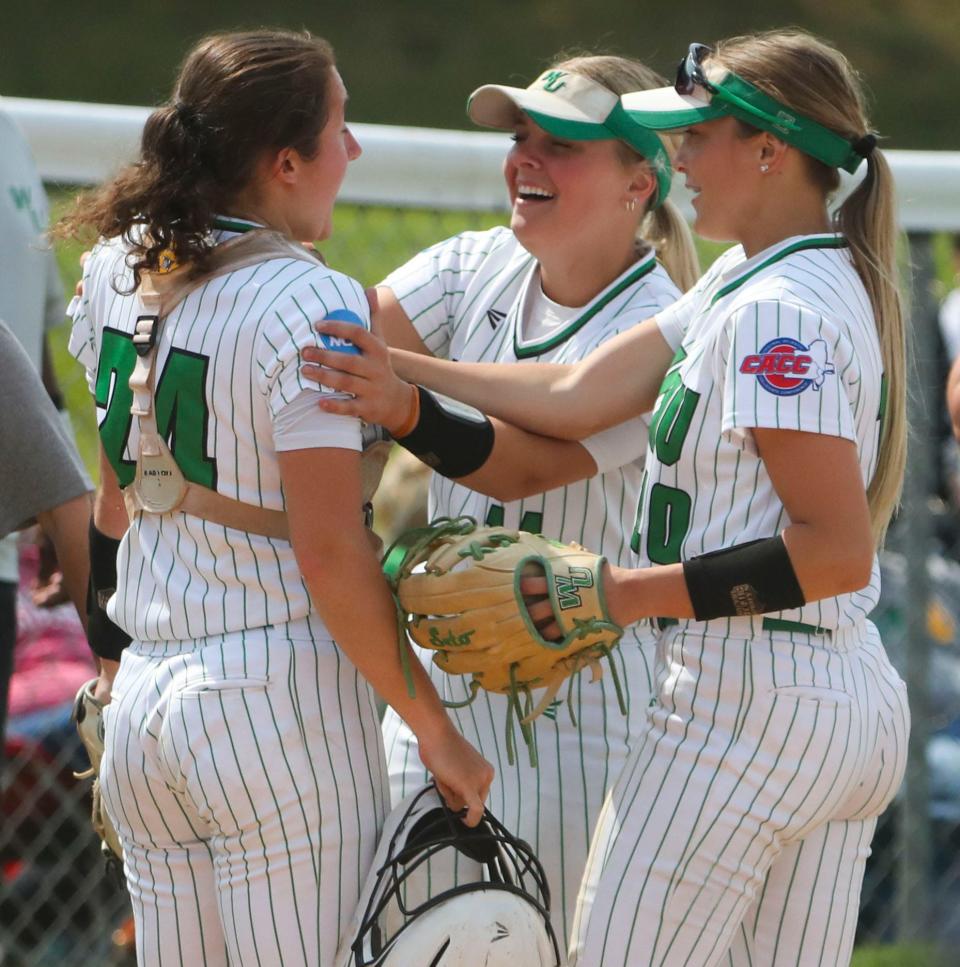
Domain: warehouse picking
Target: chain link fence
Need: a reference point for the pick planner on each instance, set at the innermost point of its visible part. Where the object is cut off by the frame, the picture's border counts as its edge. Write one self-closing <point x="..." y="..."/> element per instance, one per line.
<point x="58" y="907"/>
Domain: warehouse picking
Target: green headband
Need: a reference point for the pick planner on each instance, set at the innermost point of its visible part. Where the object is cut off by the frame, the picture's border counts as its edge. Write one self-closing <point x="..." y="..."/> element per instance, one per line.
<point x="733" y="96"/>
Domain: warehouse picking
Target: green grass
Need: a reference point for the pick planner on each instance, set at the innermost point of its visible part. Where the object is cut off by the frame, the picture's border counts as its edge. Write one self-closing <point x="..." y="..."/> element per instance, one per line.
<point x="896" y="956"/>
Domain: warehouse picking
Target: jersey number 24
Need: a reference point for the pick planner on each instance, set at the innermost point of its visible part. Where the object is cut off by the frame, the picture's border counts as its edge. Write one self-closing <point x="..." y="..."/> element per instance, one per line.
<point x="180" y="401"/>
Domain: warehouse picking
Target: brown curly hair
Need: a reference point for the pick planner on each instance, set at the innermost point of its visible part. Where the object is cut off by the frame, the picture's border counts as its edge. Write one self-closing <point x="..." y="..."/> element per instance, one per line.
<point x="237" y="95"/>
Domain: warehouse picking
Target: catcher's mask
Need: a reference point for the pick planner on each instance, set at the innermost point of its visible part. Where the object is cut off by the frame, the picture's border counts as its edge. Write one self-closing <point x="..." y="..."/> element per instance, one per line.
<point x="502" y="918"/>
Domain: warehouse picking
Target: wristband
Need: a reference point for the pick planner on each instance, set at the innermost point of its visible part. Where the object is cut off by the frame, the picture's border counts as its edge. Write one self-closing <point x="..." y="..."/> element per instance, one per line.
<point x="453" y="439"/>
<point x="752" y="578"/>
<point x="410" y="424"/>
<point x="106" y="639"/>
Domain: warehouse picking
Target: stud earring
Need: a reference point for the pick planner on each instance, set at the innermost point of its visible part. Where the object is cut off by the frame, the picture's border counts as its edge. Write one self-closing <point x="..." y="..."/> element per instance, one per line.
<point x="631" y="205"/>
<point x="764" y="168"/>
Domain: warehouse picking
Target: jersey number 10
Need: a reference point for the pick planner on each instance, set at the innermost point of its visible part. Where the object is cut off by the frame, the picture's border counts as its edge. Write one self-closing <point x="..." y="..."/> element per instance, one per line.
<point x="668" y="514"/>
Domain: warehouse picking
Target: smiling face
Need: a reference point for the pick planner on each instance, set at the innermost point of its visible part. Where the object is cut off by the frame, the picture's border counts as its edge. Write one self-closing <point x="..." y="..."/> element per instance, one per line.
<point x="569" y="193"/>
<point x="320" y="177"/>
<point x="722" y="169"/>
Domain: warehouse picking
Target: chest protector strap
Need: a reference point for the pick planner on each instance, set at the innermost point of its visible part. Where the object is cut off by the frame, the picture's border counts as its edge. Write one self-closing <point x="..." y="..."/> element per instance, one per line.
<point x="159" y="486"/>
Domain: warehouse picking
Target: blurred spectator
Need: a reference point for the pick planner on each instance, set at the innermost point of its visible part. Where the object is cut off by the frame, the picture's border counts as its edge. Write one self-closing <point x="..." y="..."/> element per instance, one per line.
<point x="950" y="332"/>
<point x="52" y="658"/>
<point x="31" y="302"/>
<point x="42" y="479"/>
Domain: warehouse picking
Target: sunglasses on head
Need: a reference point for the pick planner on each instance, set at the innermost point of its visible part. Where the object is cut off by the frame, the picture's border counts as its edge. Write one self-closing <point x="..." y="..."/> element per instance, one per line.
<point x="690" y="71"/>
<point x="690" y="75"/>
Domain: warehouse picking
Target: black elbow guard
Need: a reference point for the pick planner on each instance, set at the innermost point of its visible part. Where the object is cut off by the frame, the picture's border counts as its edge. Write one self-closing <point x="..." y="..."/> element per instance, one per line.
<point x="106" y="639"/>
<point x="752" y="578"/>
<point x="451" y="438"/>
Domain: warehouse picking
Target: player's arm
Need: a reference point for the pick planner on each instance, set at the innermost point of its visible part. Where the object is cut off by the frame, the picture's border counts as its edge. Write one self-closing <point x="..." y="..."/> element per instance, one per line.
<point x="109" y="513"/>
<point x="497" y="458"/>
<point x="322" y="494"/>
<point x="66" y="525"/>
<point x="110" y="523"/>
<point x="618" y="380"/>
<point x="521" y="464"/>
<point x="828" y="544"/>
<point x="392" y="324"/>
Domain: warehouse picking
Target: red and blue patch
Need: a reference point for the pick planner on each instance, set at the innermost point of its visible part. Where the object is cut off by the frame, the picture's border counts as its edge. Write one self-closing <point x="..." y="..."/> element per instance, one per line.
<point x="786" y="367"/>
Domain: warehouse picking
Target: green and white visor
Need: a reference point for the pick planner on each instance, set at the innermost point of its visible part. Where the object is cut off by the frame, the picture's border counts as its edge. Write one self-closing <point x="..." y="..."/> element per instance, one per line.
<point x="663" y="109"/>
<point x="573" y="107"/>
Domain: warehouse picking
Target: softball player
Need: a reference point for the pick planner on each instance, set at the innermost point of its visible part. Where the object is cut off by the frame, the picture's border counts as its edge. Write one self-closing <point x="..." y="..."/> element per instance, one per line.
<point x="503" y="296"/>
<point x="738" y="830"/>
<point x="244" y="764"/>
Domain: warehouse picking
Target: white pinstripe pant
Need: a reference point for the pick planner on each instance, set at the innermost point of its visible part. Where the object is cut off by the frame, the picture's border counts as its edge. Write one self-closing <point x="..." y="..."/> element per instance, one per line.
<point x="739" y="829"/>
<point x="245" y="776"/>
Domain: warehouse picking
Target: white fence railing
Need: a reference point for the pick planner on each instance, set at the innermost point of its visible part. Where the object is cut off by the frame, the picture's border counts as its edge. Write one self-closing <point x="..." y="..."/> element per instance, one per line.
<point x="416" y="167"/>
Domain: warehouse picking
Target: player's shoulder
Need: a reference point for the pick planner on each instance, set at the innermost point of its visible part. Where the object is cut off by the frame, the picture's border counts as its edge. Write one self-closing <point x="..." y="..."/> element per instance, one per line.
<point x="107" y="269"/>
<point x="815" y="274"/>
<point x="951" y="301"/>
<point x="283" y="279"/>
<point x="108" y="249"/>
<point x="333" y="286"/>
<point x="310" y="294"/>
<point x="659" y="287"/>
<point x="471" y="247"/>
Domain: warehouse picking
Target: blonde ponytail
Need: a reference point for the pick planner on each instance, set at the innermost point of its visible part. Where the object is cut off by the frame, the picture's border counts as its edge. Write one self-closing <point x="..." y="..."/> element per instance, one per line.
<point x="667" y="231"/>
<point x="868" y="221"/>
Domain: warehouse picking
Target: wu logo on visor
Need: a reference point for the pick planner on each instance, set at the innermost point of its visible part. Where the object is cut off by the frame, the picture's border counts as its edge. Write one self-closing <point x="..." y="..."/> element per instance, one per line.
<point x="552" y="82"/>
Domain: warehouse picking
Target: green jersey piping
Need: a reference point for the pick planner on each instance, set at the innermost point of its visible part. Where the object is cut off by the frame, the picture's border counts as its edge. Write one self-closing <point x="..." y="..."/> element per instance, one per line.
<point x="828" y="241"/>
<point x="535" y="349"/>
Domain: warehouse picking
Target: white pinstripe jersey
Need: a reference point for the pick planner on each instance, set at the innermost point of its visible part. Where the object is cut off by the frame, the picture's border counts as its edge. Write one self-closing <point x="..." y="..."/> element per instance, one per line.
<point x="464" y="296"/>
<point x="784" y="340"/>
<point x="227" y="364"/>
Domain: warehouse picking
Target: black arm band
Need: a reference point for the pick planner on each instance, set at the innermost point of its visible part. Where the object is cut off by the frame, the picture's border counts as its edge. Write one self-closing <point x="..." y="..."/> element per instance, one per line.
<point x="453" y="439"/>
<point x="105" y="638"/>
<point x="752" y="578"/>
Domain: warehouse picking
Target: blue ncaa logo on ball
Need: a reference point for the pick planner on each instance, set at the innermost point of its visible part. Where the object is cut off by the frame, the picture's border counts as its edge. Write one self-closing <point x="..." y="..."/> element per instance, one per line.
<point x="336" y="343"/>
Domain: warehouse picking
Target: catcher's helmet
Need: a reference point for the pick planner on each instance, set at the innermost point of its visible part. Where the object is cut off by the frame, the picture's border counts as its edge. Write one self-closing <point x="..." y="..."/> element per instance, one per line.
<point x="502" y="918"/>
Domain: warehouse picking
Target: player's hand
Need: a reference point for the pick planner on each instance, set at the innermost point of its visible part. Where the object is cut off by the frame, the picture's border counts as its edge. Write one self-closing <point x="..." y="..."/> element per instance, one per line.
<point x="540" y="608"/>
<point x="103" y="690"/>
<point x="462" y="775"/>
<point x="48" y="588"/>
<point x="379" y="395"/>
